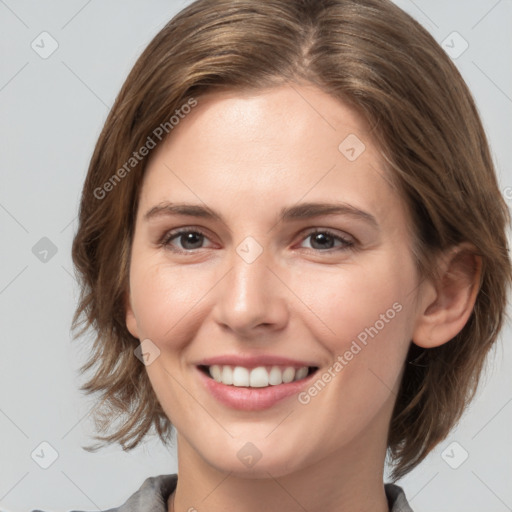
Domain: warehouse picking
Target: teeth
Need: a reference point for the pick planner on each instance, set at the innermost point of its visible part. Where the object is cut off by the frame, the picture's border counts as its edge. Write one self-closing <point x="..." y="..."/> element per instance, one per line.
<point x="227" y="375"/>
<point x="259" y="377"/>
<point x="301" y="373"/>
<point x="288" y="374"/>
<point x="275" y="376"/>
<point x="240" y="376"/>
<point x="215" y="372"/>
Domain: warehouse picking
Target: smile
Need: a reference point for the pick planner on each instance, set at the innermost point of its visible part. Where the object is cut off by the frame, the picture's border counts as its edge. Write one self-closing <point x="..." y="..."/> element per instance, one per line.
<point x="259" y="377"/>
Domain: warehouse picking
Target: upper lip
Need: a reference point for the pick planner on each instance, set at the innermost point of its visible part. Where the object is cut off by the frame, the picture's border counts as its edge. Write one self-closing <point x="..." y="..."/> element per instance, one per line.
<point x="254" y="361"/>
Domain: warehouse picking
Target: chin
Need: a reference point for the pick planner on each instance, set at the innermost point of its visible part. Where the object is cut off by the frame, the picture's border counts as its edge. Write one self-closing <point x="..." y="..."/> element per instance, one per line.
<point x="276" y="467"/>
<point x="246" y="459"/>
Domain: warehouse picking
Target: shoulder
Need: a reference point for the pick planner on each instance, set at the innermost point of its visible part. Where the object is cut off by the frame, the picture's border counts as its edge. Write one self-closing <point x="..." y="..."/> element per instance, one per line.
<point x="153" y="494"/>
<point x="396" y="499"/>
<point x="150" y="497"/>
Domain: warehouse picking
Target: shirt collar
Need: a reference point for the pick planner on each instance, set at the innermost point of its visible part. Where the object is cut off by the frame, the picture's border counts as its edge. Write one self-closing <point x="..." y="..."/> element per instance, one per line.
<point x="155" y="491"/>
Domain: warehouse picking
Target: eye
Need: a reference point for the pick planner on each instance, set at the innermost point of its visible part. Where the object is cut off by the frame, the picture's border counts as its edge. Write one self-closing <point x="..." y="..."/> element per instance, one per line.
<point x="322" y="239"/>
<point x="188" y="239"/>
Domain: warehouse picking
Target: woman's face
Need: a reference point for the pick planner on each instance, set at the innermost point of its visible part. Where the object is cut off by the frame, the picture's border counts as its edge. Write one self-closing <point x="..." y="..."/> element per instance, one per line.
<point x="271" y="247"/>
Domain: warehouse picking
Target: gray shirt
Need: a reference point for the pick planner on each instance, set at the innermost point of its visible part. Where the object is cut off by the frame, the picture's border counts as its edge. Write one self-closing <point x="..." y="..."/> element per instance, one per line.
<point x="155" y="491"/>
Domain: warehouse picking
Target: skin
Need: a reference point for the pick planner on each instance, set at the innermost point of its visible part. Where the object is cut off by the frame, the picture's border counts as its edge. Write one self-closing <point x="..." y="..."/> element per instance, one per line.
<point x="246" y="156"/>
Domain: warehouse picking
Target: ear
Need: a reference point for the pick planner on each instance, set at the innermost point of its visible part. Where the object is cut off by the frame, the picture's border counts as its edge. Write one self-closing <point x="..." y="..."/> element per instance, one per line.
<point x="447" y="303"/>
<point x="131" y="321"/>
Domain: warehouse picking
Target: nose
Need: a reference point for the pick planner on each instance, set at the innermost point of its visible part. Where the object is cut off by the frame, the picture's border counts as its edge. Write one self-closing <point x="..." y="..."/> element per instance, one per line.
<point x="251" y="298"/>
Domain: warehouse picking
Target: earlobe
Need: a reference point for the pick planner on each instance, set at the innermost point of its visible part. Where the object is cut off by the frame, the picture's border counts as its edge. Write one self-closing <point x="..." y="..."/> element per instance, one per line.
<point x="131" y="321"/>
<point x="456" y="288"/>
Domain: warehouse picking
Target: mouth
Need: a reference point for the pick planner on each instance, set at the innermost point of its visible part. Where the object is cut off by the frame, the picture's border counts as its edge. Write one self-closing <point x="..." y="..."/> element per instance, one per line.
<point x="254" y="382"/>
<point x="256" y="377"/>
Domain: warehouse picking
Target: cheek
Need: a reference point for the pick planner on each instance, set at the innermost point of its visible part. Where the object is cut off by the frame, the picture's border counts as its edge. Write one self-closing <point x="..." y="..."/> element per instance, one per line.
<point x="362" y="318"/>
<point x="365" y="327"/>
<point x="359" y="303"/>
<point x="163" y="298"/>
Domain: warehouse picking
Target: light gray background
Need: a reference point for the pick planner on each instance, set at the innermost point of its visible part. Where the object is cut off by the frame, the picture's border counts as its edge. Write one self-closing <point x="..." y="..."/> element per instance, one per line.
<point x="52" y="111"/>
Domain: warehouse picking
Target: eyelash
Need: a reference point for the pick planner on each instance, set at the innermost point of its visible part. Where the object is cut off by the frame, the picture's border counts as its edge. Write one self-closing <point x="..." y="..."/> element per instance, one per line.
<point x="175" y="234"/>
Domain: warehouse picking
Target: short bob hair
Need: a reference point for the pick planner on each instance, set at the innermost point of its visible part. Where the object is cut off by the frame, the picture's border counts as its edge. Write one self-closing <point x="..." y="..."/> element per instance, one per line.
<point x="375" y="58"/>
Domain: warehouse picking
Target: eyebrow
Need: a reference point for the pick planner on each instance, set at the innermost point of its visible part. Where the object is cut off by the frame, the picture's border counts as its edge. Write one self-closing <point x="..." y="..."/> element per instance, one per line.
<point x="297" y="212"/>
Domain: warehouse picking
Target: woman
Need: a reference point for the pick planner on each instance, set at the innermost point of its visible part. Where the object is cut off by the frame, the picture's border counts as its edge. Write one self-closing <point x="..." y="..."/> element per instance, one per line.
<point x="290" y="254"/>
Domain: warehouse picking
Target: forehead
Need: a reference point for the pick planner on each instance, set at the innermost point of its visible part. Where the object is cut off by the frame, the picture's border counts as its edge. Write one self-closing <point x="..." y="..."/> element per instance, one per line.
<point x="280" y="145"/>
<point x="267" y="118"/>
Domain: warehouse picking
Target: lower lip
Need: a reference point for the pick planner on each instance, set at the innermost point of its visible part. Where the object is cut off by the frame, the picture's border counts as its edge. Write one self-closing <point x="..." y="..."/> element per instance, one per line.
<point x="252" y="399"/>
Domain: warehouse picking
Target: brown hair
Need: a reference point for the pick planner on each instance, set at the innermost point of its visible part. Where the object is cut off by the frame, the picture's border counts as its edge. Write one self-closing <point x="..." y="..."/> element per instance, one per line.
<point x="368" y="54"/>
